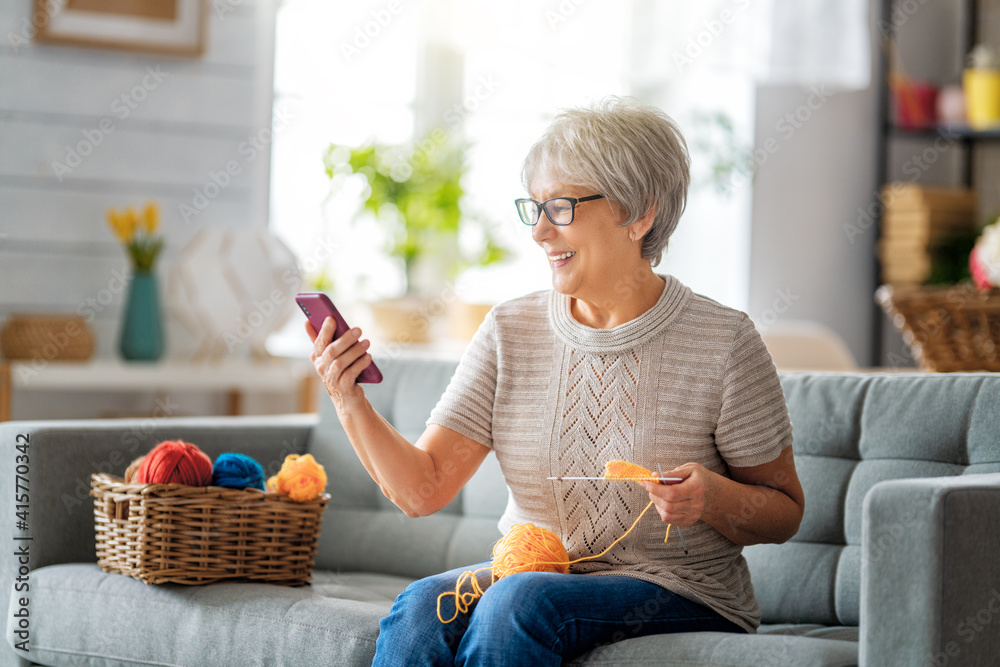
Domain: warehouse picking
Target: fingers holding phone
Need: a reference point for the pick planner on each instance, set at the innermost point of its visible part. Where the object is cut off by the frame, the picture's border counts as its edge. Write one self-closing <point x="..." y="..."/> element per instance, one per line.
<point x="339" y="362"/>
<point x="339" y="355"/>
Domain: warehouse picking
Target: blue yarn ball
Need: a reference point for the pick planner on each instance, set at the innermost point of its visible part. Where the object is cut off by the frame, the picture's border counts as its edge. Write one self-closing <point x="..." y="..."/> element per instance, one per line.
<point x="237" y="471"/>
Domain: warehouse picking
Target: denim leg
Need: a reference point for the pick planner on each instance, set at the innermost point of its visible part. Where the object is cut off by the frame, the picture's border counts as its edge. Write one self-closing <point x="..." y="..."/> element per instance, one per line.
<point x="412" y="635"/>
<point x="541" y="618"/>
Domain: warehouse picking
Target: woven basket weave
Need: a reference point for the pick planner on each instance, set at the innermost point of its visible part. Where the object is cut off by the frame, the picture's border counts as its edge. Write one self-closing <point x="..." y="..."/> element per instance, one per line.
<point x="49" y="337"/>
<point x="173" y="533"/>
<point x="947" y="328"/>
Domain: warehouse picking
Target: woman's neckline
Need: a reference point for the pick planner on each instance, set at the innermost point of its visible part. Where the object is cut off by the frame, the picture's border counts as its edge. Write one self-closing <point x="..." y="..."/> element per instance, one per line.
<point x="623" y="336"/>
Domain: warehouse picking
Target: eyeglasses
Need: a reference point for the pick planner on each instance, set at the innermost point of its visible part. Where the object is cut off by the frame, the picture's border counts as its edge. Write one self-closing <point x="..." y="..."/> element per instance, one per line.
<point x="559" y="210"/>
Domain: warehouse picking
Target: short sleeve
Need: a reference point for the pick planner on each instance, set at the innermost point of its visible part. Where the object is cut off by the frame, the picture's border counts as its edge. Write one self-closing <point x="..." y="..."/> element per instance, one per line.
<point x="753" y="426"/>
<point x="466" y="406"/>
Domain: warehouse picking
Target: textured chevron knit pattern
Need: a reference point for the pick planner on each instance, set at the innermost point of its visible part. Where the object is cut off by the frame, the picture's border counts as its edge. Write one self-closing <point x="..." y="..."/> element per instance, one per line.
<point x="689" y="380"/>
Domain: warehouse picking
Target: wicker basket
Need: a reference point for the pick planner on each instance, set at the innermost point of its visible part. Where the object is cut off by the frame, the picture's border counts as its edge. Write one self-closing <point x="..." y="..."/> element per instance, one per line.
<point x="946" y="328"/>
<point x="49" y="337"/>
<point x="160" y="533"/>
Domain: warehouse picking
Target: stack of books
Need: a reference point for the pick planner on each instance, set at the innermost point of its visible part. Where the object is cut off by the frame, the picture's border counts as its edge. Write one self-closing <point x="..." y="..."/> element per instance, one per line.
<point x="915" y="221"/>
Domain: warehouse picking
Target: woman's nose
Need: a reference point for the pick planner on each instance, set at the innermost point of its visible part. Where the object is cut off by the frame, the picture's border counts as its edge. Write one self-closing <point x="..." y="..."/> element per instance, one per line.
<point x="543" y="229"/>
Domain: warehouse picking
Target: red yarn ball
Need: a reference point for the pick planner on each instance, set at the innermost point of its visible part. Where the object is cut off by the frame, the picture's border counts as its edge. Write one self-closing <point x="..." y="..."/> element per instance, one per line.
<point x="175" y="462"/>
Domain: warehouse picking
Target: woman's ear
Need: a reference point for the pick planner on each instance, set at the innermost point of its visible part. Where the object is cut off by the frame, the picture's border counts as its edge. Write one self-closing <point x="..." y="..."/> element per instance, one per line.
<point x="644" y="224"/>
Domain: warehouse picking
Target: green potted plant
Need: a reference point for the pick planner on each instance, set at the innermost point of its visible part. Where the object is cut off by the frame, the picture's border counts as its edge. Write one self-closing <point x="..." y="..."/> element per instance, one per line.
<point x="415" y="195"/>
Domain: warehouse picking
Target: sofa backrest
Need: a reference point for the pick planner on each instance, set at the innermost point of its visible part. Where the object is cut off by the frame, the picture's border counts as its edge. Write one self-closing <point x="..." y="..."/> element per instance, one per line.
<point x="850" y="430"/>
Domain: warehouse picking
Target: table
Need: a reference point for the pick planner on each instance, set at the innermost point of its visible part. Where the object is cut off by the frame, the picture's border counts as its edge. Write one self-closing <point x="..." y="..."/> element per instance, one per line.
<point x="232" y="377"/>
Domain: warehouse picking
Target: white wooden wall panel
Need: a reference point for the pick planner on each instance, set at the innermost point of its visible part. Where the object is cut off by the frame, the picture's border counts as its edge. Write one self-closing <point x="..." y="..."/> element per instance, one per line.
<point x="39" y="214"/>
<point x="127" y="92"/>
<point x="55" y="248"/>
<point x="136" y="156"/>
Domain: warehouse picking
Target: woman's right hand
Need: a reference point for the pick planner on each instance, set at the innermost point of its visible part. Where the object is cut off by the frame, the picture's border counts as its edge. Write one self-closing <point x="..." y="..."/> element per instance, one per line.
<point x="339" y="362"/>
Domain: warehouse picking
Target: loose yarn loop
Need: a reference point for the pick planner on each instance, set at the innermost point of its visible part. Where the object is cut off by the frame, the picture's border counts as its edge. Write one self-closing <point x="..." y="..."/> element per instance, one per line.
<point x="525" y="548"/>
<point x="175" y="462"/>
<point x="237" y="471"/>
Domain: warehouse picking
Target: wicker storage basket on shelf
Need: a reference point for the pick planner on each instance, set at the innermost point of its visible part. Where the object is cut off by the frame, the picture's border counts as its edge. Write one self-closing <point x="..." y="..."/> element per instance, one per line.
<point x="160" y="533"/>
<point x="946" y="328"/>
<point x="50" y="337"/>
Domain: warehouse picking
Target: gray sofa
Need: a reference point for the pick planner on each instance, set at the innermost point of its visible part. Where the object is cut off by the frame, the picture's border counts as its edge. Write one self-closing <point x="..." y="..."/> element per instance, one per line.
<point x="897" y="561"/>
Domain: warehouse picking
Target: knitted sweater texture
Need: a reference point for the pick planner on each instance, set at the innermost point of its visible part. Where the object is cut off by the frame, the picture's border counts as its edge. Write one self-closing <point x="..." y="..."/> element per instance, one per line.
<point x="687" y="381"/>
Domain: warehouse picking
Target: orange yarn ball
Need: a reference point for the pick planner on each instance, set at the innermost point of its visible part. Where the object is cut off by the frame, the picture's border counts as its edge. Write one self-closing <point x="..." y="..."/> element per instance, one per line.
<point x="175" y="462"/>
<point x="301" y="478"/>
<point x="529" y="548"/>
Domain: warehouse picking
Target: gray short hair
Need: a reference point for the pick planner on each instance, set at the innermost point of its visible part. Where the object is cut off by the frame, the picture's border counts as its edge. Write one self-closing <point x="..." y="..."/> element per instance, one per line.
<point x="632" y="153"/>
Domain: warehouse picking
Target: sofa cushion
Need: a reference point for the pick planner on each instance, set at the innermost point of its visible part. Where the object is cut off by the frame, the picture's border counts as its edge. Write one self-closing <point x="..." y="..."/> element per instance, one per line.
<point x="720" y="649"/>
<point x="87" y="617"/>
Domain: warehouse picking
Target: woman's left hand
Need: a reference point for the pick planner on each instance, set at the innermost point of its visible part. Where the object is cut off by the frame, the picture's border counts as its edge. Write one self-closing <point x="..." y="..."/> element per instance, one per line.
<point x="683" y="503"/>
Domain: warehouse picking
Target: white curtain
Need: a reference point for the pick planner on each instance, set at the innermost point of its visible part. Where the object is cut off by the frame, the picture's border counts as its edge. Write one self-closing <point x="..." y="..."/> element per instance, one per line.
<point x="793" y="42"/>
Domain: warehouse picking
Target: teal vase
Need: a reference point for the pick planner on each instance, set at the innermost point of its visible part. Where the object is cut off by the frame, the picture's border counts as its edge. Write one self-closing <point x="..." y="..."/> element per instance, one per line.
<point x="142" y="328"/>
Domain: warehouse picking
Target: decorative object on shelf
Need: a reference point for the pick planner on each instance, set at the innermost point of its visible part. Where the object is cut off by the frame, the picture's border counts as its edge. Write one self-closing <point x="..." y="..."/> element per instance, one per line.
<point x="172" y="27"/>
<point x="951" y="106"/>
<point x="229" y="290"/>
<point x="984" y="260"/>
<point x="914" y="102"/>
<point x="46" y="337"/>
<point x="946" y="328"/>
<point x="415" y="194"/>
<point x="981" y="83"/>
<point x="142" y="325"/>
<point x="927" y="233"/>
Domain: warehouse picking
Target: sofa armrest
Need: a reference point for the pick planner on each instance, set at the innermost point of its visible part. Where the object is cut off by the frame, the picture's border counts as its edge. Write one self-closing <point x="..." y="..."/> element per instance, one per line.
<point x="61" y="456"/>
<point x="930" y="572"/>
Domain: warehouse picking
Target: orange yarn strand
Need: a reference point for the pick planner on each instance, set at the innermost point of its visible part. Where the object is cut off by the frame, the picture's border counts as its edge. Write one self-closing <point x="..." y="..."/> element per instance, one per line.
<point x="525" y="548"/>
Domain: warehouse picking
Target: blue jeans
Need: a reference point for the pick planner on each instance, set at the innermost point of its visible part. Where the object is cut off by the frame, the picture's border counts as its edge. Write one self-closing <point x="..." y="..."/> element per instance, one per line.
<point x="533" y="618"/>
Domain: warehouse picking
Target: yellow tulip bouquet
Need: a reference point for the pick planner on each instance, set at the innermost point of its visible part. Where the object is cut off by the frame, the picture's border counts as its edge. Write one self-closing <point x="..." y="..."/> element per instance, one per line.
<point x="137" y="232"/>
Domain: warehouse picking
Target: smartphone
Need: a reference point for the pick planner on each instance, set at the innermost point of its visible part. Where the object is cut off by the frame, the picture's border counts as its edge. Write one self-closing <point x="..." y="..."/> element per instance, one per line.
<point x="317" y="307"/>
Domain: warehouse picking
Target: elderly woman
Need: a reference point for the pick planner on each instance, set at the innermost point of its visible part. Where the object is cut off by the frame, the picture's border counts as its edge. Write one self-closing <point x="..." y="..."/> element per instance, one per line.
<point x="615" y="362"/>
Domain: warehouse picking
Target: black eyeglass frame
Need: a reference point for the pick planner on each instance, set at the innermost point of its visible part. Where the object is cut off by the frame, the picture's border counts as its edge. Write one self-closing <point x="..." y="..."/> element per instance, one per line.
<point x="542" y="207"/>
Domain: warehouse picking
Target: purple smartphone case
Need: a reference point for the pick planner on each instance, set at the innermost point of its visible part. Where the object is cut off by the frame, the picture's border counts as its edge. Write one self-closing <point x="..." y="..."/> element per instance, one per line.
<point x="317" y="307"/>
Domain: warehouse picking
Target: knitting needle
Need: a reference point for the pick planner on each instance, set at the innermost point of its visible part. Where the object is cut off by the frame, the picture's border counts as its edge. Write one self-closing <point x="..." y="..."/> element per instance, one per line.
<point x="679" y="533"/>
<point x="661" y="480"/>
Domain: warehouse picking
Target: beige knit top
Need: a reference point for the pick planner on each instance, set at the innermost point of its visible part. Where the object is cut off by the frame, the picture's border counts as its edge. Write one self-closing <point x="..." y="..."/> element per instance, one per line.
<point x="688" y="380"/>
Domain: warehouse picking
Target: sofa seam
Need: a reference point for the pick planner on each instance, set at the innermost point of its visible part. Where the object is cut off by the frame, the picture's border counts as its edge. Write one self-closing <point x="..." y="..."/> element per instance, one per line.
<point x="209" y="606"/>
<point x="104" y="656"/>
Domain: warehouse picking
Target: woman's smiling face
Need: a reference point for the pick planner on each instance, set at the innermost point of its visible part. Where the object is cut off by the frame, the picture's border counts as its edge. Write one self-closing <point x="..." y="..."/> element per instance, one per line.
<point x="588" y="255"/>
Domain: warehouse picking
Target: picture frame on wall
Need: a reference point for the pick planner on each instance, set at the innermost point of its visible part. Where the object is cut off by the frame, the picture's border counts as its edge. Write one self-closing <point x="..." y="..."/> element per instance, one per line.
<point x="172" y="27"/>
